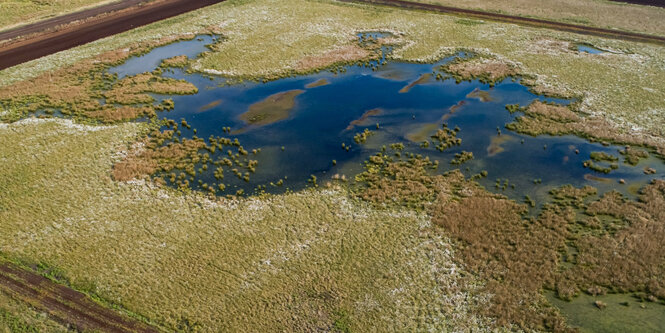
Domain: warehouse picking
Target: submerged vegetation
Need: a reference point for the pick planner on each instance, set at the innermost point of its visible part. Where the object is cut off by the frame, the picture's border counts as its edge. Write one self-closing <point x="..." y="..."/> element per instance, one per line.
<point x="421" y="80"/>
<point x="271" y="110"/>
<point x="364" y="119"/>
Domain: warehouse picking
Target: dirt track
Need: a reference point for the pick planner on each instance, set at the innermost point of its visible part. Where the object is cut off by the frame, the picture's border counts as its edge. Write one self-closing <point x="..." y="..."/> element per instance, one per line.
<point x="65" y="305"/>
<point x="580" y="29"/>
<point x="49" y="42"/>
<point x="53" y="23"/>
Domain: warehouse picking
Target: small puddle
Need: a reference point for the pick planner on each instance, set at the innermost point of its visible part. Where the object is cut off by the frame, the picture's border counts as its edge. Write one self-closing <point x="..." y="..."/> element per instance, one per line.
<point x="586" y="48"/>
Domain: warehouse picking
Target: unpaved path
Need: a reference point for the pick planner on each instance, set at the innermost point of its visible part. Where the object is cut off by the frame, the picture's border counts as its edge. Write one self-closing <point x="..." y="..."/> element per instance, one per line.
<point x="64" y="304"/>
<point x="39" y="44"/>
<point x="57" y="21"/>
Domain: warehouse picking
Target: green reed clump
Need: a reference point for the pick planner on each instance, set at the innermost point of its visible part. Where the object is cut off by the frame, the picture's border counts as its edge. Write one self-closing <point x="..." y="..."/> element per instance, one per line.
<point x="446" y="137"/>
<point x="462" y="157"/>
<point x="512" y="108"/>
<point x="600" y="156"/>
<point x="361" y="137"/>
<point x="633" y="156"/>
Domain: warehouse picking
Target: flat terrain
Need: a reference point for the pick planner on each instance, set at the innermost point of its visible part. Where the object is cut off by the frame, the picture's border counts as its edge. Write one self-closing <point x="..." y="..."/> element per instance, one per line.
<point x="93" y="29"/>
<point x="322" y="259"/>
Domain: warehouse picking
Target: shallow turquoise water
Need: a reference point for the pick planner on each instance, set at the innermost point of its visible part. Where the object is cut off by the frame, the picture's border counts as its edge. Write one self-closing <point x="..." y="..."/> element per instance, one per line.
<point x="317" y="126"/>
<point x="589" y="49"/>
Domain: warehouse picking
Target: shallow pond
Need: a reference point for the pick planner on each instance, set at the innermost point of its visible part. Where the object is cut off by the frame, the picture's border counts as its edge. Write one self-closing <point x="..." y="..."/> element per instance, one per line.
<point x="312" y="115"/>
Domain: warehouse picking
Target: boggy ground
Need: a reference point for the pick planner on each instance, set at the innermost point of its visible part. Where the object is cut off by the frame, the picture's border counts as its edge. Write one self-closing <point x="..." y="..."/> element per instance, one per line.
<point x="327" y="259"/>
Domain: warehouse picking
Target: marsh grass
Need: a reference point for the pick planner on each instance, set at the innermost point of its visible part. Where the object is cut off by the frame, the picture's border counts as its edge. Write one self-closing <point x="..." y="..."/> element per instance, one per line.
<point x="180" y="61"/>
<point x="484" y="69"/>
<point x="541" y="118"/>
<point x="633" y="156"/>
<point x="75" y="91"/>
<point x="519" y="255"/>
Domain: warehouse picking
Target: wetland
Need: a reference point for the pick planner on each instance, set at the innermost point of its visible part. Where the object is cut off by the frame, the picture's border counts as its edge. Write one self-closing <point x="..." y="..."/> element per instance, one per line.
<point x="438" y="137"/>
<point x="297" y="126"/>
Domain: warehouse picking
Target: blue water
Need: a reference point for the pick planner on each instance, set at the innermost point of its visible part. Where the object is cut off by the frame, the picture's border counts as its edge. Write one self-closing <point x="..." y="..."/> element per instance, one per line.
<point x="313" y="134"/>
<point x="152" y="60"/>
<point x="589" y="49"/>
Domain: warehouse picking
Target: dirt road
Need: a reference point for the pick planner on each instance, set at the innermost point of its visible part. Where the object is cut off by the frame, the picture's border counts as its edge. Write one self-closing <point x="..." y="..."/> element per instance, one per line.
<point x="53" y="23"/>
<point x="580" y="29"/>
<point x="63" y="304"/>
<point x="41" y="44"/>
